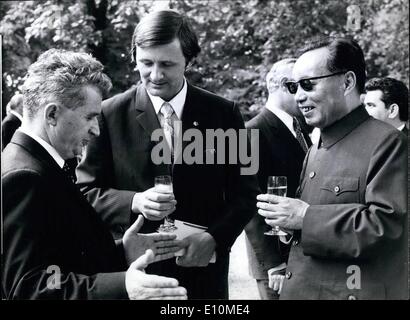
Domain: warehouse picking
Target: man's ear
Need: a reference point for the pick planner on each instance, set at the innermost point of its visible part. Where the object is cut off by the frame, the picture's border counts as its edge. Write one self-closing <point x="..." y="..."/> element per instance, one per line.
<point x="349" y="82"/>
<point x="393" y="111"/>
<point x="52" y="113"/>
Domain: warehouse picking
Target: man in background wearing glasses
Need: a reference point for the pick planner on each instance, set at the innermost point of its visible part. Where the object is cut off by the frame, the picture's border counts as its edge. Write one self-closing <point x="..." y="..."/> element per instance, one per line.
<point x="350" y="224"/>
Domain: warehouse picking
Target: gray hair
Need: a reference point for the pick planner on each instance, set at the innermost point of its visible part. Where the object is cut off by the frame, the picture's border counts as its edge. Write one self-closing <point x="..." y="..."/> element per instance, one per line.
<point x="61" y="75"/>
<point x="273" y="77"/>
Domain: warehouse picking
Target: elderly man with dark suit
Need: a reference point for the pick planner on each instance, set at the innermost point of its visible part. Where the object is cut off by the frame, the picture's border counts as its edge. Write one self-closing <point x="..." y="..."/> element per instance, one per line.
<point x="387" y="100"/>
<point x="14" y="115"/>
<point x="118" y="171"/>
<point x="350" y="223"/>
<point x="282" y="148"/>
<point x="55" y="246"/>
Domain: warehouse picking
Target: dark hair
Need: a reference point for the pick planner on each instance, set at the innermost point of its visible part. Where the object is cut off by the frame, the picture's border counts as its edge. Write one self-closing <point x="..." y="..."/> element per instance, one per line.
<point x="344" y="55"/>
<point x="162" y="27"/>
<point x="394" y="91"/>
<point x="61" y="75"/>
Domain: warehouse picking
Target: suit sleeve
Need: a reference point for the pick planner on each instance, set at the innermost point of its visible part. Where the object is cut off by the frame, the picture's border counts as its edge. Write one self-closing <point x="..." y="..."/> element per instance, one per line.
<point x="95" y="175"/>
<point x="360" y="230"/>
<point x="31" y="268"/>
<point x="240" y="194"/>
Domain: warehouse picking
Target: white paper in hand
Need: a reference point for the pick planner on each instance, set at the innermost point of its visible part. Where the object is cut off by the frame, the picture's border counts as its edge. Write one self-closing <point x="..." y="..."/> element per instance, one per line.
<point x="185" y="229"/>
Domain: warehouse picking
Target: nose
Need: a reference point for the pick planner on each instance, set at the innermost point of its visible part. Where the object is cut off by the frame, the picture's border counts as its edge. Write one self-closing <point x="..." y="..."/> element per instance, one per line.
<point x="95" y="128"/>
<point x="300" y="95"/>
<point x="156" y="73"/>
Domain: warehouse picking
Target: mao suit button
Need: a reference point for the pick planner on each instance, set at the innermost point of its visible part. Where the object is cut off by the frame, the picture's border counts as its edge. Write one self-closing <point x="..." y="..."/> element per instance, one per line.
<point x="312" y="174"/>
<point x="337" y="189"/>
<point x="351" y="297"/>
<point x="288" y="275"/>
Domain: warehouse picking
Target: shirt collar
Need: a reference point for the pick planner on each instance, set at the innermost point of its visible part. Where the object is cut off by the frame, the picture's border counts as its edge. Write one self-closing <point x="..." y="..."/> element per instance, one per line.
<point x="341" y="128"/>
<point x="283" y="116"/>
<point x="400" y="128"/>
<point x="17" y="115"/>
<point x="53" y="152"/>
<point x="176" y="102"/>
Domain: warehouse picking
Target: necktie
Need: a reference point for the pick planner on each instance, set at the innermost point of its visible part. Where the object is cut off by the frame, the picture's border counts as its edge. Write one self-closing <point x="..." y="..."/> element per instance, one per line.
<point x="299" y="135"/>
<point x="167" y="111"/>
<point x="69" y="169"/>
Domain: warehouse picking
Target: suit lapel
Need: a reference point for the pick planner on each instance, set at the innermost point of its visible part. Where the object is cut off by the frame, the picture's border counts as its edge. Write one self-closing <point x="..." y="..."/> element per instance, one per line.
<point x="52" y="168"/>
<point x="279" y="128"/>
<point x="147" y="118"/>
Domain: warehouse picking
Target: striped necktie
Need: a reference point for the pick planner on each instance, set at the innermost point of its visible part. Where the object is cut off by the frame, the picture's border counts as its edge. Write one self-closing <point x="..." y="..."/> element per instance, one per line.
<point x="299" y="135"/>
<point x="167" y="111"/>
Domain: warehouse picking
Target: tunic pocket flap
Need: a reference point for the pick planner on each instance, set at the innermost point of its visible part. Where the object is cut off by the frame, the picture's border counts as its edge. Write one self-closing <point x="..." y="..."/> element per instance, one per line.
<point x="338" y="185"/>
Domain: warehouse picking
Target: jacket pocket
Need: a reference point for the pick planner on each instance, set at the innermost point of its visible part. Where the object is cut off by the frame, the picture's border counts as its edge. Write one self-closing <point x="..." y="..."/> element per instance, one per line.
<point x="340" y="190"/>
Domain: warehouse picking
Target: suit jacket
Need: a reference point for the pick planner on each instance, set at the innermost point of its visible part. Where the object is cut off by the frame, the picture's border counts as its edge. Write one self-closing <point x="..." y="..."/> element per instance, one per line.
<point x="118" y="163"/>
<point x="48" y="224"/>
<point x="356" y="224"/>
<point x="8" y="126"/>
<point x="279" y="155"/>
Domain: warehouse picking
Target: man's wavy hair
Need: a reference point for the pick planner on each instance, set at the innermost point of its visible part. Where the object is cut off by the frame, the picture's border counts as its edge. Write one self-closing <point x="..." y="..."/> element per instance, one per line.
<point x="59" y="76"/>
<point x="162" y="27"/>
<point x="393" y="91"/>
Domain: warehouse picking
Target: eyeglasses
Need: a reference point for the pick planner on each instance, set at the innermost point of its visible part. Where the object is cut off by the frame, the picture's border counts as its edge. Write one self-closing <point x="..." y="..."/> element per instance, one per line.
<point x="306" y="84"/>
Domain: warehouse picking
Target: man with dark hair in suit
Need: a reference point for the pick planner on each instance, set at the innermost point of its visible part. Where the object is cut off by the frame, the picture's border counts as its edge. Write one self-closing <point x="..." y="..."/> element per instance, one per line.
<point x="55" y="246"/>
<point x="387" y="99"/>
<point x="118" y="171"/>
<point x="350" y="223"/>
<point x="281" y="153"/>
<point x="14" y="115"/>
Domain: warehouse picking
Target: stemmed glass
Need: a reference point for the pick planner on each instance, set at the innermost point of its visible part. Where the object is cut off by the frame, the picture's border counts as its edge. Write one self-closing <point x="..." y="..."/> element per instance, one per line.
<point x="278" y="186"/>
<point x="163" y="184"/>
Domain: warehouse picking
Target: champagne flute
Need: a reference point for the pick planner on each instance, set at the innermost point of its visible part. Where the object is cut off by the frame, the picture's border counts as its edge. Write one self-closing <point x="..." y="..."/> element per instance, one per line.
<point x="277" y="185"/>
<point x="163" y="184"/>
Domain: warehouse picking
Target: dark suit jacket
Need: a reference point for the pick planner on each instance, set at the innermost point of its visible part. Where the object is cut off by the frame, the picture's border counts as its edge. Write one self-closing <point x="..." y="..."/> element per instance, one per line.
<point x="356" y="224"/>
<point x="118" y="163"/>
<point x="47" y="224"/>
<point x="279" y="155"/>
<point x="8" y="126"/>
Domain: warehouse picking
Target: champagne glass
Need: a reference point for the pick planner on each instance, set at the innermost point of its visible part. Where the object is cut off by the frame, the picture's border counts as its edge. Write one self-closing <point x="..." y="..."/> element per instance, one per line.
<point x="163" y="184"/>
<point x="278" y="186"/>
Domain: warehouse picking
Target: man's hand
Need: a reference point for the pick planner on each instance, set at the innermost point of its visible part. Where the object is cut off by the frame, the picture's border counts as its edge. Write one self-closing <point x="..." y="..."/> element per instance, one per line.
<point x="142" y="286"/>
<point x="281" y="211"/>
<point x="276" y="277"/>
<point x="153" y="205"/>
<point x="163" y="245"/>
<point x="201" y="247"/>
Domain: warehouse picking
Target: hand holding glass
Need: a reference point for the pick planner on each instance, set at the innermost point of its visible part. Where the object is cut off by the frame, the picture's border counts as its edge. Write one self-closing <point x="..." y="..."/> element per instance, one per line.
<point x="163" y="184"/>
<point x="278" y="186"/>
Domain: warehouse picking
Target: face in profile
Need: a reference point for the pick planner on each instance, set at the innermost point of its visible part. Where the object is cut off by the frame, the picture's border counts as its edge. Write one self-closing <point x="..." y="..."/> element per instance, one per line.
<point x="323" y="103"/>
<point x="162" y="69"/>
<point x="375" y="106"/>
<point x="76" y="127"/>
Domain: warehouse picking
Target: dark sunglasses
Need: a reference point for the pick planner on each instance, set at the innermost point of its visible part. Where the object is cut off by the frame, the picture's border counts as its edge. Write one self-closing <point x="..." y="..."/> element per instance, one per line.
<point x="306" y="84"/>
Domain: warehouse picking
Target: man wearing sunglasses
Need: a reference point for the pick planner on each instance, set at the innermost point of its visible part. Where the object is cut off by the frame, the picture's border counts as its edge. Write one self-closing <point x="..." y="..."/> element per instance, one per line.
<point x="350" y="223"/>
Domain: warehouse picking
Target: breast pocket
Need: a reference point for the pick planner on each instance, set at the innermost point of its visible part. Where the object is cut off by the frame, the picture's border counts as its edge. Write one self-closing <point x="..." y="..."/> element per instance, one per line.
<point x="339" y="190"/>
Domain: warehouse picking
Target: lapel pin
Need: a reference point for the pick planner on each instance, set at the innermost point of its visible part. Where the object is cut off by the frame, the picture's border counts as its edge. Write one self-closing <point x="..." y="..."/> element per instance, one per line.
<point x="196" y="123"/>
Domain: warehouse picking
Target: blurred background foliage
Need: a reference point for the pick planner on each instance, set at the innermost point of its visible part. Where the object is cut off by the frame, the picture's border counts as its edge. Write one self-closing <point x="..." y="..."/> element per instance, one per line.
<point x="239" y="39"/>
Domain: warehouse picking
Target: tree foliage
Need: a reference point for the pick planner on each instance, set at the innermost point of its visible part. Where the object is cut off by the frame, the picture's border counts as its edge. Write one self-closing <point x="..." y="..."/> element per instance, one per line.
<point x="239" y="39"/>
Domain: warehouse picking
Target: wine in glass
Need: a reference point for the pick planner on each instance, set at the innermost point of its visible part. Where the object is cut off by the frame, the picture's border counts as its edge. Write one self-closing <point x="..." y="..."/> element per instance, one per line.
<point x="278" y="186"/>
<point x="163" y="184"/>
